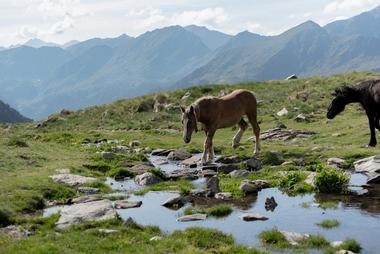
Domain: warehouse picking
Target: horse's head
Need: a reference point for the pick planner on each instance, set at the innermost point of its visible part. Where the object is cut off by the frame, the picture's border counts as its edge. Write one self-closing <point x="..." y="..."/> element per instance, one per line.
<point x="189" y="123"/>
<point x="339" y="101"/>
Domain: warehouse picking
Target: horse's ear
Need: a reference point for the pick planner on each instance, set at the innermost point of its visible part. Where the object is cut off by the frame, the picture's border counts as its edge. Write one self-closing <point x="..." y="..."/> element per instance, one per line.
<point x="183" y="109"/>
<point x="191" y="109"/>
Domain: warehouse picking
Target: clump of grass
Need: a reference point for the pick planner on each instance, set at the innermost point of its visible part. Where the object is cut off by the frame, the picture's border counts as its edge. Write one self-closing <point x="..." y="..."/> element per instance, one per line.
<point x="314" y="167"/>
<point x="293" y="183"/>
<point x="167" y="186"/>
<point x="351" y="245"/>
<point x="329" y="205"/>
<point x="273" y="158"/>
<point x="98" y="166"/>
<point x="158" y="173"/>
<point x="221" y="210"/>
<point x="5" y="217"/>
<point x="103" y="188"/>
<point x="328" y="224"/>
<point x="17" y="141"/>
<point x="57" y="192"/>
<point x="316" y="241"/>
<point x="120" y="172"/>
<point x="36" y="202"/>
<point x="329" y="180"/>
<point x="273" y="237"/>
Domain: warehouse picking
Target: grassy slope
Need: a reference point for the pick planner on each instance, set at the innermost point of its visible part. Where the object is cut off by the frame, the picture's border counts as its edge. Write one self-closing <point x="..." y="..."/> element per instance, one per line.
<point x="23" y="170"/>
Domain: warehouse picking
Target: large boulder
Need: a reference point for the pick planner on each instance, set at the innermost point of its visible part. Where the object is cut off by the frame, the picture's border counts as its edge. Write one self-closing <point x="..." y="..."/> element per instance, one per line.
<point x="179" y="155"/>
<point x="248" y="186"/>
<point x="370" y="167"/>
<point x="72" y="180"/>
<point x="174" y="203"/>
<point x="147" y="178"/>
<point x="91" y="211"/>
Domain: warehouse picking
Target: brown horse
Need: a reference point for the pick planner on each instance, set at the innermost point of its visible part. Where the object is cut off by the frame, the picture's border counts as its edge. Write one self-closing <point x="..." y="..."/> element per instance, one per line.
<point x="366" y="93"/>
<point x="216" y="113"/>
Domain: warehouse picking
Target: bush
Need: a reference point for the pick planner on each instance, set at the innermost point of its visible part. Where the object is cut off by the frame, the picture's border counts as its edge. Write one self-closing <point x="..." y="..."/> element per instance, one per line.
<point x="293" y="183"/>
<point x="273" y="237"/>
<point x="98" y="166"/>
<point x="221" y="210"/>
<point x="329" y="180"/>
<point x="17" y="141"/>
<point x="317" y="241"/>
<point x="328" y="224"/>
<point x="34" y="204"/>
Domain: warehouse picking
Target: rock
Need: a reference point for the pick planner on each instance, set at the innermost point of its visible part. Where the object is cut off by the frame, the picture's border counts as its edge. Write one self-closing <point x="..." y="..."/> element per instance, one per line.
<point x="211" y="166"/>
<point x="227" y="168"/>
<point x="336" y="244"/>
<point x="16" y="232"/>
<point x="161" y="161"/>
<point x="108" y="231"/>
<point x="88" y="190"/>
<point x="107" y="155"/>
<point x="212" y="186"/>
<point x="174" y="203"/>
<point x="284" y="134"/>
<point x="335" y="162"/>
<point x="91" y="211"/>
<point x="186" y="95"/>
<point x="198" y="193"/>
<point x="147" y="179"/>
<point x="370" y="167"/>
<point x="282" y="112"/>
<point x="147" y="150"/>
<point x="270" y="204"/>
<point x="310" y="178"/>
<point x="83" y="199"/>
<point x="208" y="173"/>
<point x="179" y="155"/>
<point x="161" y="152"/>
<point x="134" y="143"/>
<point x="155" y="238"/>
<point x="121" y="149"/>
<point x="288" y="163"/>
<point x="344" y="252"/>
<point x="140" y="168"/>
<point x="72" y="180"/>
<point x="192" y="161"/>
<point x="192" y="217"/>
<point x="294" y="238"/>
<point x="239" y="173"/>
<point x="63" y="171"/>
<point x="189" y="174"/>
<point x="253" y="186"/>
<point x="126" y="204"/>
<point x="300" y="118"/>
<point x="252" y="217"/>
<point x="253" y="164"/>
<point x="291" y="77"/>
<point x="228" y="160"/>
<point x="224" y="196"/>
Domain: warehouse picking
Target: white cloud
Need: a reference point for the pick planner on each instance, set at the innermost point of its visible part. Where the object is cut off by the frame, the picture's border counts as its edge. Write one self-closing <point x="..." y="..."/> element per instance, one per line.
<point x="349" y="5"/>
<point x="61" y="26"/>
<point x="28" y="32"/>
<point x="254" y="27"/>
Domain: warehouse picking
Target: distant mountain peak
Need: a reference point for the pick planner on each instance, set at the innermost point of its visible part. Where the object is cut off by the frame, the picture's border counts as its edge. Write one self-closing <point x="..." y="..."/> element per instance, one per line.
<point x="38" y="43"/>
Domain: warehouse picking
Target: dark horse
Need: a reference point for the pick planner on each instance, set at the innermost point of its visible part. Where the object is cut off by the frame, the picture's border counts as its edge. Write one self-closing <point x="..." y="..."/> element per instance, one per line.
<point x="366" y="93"/>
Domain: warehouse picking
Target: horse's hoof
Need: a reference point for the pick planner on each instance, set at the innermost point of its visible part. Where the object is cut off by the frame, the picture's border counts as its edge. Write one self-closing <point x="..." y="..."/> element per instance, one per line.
<point x="369" y="146"/>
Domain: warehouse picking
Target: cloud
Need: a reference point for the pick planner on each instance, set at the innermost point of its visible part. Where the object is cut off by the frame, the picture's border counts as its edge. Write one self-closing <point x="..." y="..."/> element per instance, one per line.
<point x="254" y="27"/>
<point x="28" y="32"/>
<point x="61" y="26"/>
<point x="349" y="5"/>
<point x="150" y="17"/>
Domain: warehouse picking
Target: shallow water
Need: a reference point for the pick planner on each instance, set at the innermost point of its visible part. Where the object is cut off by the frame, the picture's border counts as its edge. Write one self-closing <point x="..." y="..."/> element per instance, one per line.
<point x="359" y="215"/>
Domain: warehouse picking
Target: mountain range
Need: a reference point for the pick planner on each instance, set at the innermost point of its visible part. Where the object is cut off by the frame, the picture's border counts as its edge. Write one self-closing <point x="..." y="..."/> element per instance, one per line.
<point x="10" y="115"/>
<point x="40" y="78"/>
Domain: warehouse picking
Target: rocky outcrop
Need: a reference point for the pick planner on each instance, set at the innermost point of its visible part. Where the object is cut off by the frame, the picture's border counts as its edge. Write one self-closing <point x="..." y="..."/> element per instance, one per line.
<point x="72" y="180"/>
<point x="91" y="211"/>
<point x="370" y="167"/>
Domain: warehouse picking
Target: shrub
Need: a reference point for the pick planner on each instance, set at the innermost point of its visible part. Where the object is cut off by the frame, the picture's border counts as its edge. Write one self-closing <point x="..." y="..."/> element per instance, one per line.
<point x="17" y="141"/>
<point x="158" y="173"/>
<point x="34" y="204"/>
<point x="5" y="218"/>
<point x="98" y="166"/>
<point x="221" y="210"/>
<point x="316" y="241"/>
<point x="329" y="180"/>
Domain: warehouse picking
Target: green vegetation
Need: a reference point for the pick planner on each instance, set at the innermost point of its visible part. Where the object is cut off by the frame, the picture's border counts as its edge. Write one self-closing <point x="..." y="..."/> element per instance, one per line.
<point x="351" y="245"/>
<point x="221" y="210"/>
<point x="330" y="180"/>
<point x="328" y="205"/>
<point x="273" y="238"/>
<point x="329" y="224"/>
<point x="29" y="155"/>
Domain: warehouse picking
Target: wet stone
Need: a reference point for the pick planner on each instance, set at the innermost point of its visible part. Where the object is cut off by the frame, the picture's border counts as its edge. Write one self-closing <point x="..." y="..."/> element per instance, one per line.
<point x="270" y="204"/>
<point x="252" y="217"/>
<point x="147" y="179"/>
<point x="88" y="190"/>
<point x="192" y="217"/>
<point x="253" y="164"/>
<point x="370" y="167"/>
<point x="227" y="168"/>
<point x="179" y="155"/>
<point x="224" y="196"/>
<point x="239" y="173"/>
<point x="161" y="152"/>
<point x="191" y="162"/>
<point x="198" y="193"/>
<point x="294" y="238"/>
<point x="228" y="160"/>
<point x="126" y="204"/>
<point x="335" y="162"/>
<point x="174" y="203"/>
<point x="83" y="199"/>
<point x="212" y="186"/>
<point x="183" y="174"/>
<point x="208" y="173"/>
<point x="72" y="180"/>
<point x="211" y="166"/>
<point x="253" y="186"/>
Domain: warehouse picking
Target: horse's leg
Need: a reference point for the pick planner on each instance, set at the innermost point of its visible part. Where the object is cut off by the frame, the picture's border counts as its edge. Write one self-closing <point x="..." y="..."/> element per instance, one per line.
<point x="211" y="155"/>
<point x="256" y="131"/>
<point x="242" y="127"/>
<point x="377" y="125"/>
<point x="208" y="152"/>
<point x="371" y="121"/>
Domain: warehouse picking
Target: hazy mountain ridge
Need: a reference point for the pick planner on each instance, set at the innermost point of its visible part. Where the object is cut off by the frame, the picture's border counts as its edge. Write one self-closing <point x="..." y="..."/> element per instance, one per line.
<point x="10" y="115"/>
<point x="42" y="80"/>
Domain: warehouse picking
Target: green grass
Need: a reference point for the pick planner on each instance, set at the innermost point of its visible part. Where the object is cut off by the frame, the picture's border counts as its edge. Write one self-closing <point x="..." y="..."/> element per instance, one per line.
<point x="273" y="238"/>
<point x="328" y="224"/>
<point x="351" y="245"/>
<point x="330" y="180"/>
<point x="219" y="211"/>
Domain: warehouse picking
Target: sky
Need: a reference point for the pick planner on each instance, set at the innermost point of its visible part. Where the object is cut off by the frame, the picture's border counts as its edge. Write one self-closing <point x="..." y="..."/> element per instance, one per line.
<point x="64" y="20"/>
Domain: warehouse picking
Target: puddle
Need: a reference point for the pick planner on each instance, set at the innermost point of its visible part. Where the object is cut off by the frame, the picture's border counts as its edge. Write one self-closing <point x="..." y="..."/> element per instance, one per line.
<point x="359" y="215"/>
